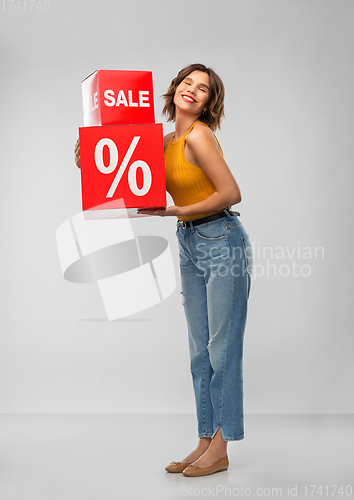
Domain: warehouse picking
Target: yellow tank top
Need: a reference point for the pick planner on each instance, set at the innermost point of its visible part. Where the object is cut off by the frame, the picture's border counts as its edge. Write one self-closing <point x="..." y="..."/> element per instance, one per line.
<point x="186" y="183"/>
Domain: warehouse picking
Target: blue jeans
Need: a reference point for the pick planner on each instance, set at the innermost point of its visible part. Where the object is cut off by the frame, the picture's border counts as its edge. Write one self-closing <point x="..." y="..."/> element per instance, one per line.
<point x="216" y="263"/>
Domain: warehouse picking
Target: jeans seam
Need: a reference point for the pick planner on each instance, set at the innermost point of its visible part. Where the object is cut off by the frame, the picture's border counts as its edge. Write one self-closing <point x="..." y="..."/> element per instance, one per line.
<point x="211" y="239"/>
<point x="203" y="390"/>
<point x="245" y="254"/>
<point x="226" y="350"/>
<point x="238" y="438"/>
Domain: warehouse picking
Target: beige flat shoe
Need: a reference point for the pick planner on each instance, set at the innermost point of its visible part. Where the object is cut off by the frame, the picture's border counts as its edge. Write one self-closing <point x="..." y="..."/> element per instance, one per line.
<point x="176" y="466"/>
<point x="194" y="471"/>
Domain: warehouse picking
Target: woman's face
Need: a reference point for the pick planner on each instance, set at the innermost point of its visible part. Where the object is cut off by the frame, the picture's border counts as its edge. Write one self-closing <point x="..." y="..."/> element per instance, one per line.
<point x="193" y="93"/>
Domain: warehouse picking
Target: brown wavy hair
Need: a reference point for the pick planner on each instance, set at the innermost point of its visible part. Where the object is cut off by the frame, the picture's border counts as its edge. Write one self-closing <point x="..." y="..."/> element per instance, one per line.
<point x="215" y="107"/>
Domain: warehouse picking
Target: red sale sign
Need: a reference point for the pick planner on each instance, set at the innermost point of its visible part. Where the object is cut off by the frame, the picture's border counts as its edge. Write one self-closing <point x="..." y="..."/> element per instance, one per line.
<point x="114" y="97"/>
<point x="122" y="162"/>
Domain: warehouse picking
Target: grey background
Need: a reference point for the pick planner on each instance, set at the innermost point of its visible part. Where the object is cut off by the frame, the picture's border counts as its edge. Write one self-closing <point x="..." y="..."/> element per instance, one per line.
<point x="288" y="138"/>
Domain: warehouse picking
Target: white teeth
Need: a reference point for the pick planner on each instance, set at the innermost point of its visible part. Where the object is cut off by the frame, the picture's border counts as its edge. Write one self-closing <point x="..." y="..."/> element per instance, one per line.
<point x="189" y="98"/>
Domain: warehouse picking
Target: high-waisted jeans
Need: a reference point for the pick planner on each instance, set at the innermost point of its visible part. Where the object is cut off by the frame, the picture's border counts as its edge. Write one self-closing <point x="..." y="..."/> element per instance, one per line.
<point x="216" y="263"/>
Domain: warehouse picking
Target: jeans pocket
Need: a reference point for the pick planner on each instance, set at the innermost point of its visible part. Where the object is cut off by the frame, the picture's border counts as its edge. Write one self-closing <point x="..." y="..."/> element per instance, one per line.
<point x="248" y="252"/>
<point x="212" y="231"/>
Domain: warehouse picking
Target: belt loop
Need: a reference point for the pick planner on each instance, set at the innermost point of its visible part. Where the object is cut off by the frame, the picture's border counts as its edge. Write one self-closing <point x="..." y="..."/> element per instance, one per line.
<point x="189" y="224"/>
<point x="226" y="210"/>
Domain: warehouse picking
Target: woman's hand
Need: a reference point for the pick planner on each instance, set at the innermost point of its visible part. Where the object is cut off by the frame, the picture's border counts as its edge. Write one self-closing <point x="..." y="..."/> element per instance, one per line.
<point x="77" y="153"/>
<point x="174" y="210"/>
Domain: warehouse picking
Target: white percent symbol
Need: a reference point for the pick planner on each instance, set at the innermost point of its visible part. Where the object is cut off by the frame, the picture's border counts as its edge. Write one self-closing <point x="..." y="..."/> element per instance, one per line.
<point x="113" y="162"/>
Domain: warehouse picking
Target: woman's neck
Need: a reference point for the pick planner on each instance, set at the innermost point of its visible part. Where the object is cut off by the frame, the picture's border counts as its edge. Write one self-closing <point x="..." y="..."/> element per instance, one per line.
<point x="183" y="122"/>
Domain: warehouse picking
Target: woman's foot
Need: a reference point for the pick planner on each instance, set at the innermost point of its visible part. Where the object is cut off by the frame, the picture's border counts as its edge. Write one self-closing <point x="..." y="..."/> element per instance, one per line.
<point x="201" y="448"/>
<point x="215" y="452"/>
<point x="193" y="471"/>
<point x="194" y="455"/>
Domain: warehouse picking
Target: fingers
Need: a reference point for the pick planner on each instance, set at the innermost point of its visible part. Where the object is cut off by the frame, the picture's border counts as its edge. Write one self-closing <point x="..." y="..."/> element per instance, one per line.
<point x="77" y="153"/>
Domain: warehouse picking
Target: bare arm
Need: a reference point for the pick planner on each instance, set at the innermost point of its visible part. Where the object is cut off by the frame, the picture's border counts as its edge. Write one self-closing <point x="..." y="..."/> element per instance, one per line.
<point x="202" y="145"/>
<point x="205" y="151"/>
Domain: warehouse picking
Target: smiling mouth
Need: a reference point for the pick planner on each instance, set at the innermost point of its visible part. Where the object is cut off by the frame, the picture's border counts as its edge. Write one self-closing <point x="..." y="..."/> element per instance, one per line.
<point x="188" y="98"/>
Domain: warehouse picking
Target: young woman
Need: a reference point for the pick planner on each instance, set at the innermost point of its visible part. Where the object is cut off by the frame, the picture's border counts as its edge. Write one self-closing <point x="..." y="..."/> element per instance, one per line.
<point x="215" y="262"/>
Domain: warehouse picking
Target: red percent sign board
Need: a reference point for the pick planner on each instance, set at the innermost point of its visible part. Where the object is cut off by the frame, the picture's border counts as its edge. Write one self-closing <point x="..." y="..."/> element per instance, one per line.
<point x="122" y="162"/>
<point x="112" y="97"/>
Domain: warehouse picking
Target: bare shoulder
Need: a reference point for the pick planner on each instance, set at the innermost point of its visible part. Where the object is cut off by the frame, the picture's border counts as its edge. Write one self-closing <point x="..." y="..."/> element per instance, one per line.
<point x="201" y="136"/>
<point x="167" y="138"/>
<point x="199" y="130"/>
